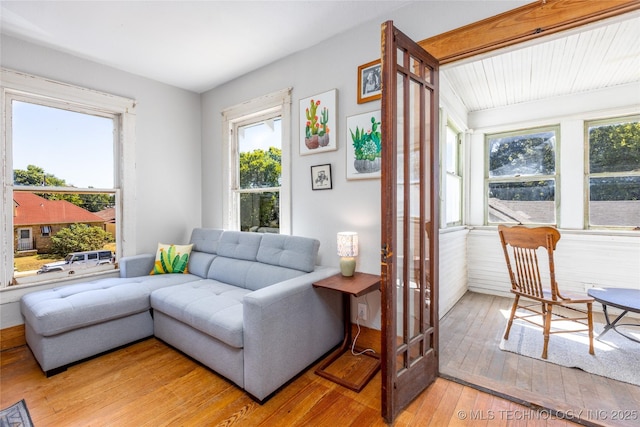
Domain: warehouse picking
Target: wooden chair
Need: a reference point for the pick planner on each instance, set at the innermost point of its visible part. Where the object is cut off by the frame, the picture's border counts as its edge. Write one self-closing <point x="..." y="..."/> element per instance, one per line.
<point x="520" y="245"/>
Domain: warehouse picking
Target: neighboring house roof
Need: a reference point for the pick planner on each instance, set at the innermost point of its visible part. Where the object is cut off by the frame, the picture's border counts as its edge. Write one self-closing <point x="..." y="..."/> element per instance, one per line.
<point x="107" y="215"/>
<point x="32" y="210"/>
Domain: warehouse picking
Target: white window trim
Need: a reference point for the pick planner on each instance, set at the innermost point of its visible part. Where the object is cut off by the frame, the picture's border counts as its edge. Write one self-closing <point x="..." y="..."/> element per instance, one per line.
<point x="234" y="116"/>
<point x="14" y="84"/>
<point x="556" y="177"/>
<point x="447" y="120"/>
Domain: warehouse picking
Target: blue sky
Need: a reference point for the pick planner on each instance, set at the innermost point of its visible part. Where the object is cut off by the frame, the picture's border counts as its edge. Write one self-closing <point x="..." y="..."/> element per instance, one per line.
<point x="78" y="147"/>
<point x="260" y="136"/>
<point x="72" y="146"/>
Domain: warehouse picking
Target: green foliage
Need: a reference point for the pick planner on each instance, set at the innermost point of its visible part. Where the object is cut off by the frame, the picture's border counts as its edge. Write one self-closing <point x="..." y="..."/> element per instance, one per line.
<point x="532" y="154"/>
<point x="36" y="176"/>
<point x="77" y="238"/>
<point x="95" y="202"/>
<point x="614" y="148"/>
<point x="367" y="144"/>
<point x="259" y="168"/>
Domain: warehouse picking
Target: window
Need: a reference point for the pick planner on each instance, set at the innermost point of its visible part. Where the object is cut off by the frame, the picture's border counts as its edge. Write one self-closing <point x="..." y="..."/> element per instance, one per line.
<point x="521" y="176"/>
<point x="613" y="175"/>
<point x="453" y="183"/>
<point x="258" y="167"/>
<point x="59" y="154"/>
<point x="45" y="231"/>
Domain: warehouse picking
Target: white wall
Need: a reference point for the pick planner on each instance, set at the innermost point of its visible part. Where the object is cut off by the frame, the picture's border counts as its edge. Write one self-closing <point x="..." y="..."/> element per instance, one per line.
<point x="351" y="205"/>
<point x="168" y="143"/>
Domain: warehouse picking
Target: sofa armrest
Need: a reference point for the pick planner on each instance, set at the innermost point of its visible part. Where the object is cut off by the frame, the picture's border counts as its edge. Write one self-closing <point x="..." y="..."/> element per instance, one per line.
<point x="287" y="327"/>
<point x="136" y="265"/>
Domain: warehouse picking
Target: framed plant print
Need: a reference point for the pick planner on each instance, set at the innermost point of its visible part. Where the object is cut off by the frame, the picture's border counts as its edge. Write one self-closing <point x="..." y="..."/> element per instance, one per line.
<point x="318" y="123"/>
<point x="321" y="177"/>
<point x="364" y="145"/>
<point x="370" y="81"/>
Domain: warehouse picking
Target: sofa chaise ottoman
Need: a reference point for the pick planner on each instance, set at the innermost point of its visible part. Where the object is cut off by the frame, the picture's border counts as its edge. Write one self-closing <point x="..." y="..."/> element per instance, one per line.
<point x="246" y="309"/>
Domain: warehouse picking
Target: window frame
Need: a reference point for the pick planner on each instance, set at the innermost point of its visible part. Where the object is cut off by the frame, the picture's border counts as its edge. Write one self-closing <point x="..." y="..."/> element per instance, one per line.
<point x="24" y="87"/>
<point x="459" y="173"/>
<point x="277" y="104"/>
<point x="557" y="129"/>
<point x="587" y="169"/>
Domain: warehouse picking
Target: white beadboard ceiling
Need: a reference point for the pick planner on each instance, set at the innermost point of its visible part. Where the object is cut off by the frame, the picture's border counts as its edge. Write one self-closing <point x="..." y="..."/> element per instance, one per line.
<point x="604" y="55"/>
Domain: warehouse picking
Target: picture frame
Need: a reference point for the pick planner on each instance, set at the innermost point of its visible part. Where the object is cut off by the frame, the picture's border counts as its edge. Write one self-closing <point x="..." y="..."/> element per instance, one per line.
<point x="370" y="81"/>
<point x="364" y="145"/>
<point x="321" y="177"/>
<point x="318" y="118"/>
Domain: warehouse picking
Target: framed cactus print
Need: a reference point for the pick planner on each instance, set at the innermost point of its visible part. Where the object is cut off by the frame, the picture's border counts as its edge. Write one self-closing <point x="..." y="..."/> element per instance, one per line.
<point x="370" y="81"/>
<point x="364" y="145"/>
<point x="318" y="123"/>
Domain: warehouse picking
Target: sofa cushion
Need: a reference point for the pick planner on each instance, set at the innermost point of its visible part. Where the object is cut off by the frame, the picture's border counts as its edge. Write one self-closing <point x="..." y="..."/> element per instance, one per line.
<point x="172" y="259"/>
<point x="209" y="306"/>
<point x="248" y="274"/>
<point x="57" y="310"/>
<point x="199" y="263"/>
<point x="239" y="245"/>
<point x="205" y="239"/>
<point x="295" y="252"/>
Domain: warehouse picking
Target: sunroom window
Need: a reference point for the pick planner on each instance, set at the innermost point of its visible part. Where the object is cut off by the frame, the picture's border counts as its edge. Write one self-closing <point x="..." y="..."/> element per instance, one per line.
<point x="613" y="177"/>
<point x="521" y="176"/>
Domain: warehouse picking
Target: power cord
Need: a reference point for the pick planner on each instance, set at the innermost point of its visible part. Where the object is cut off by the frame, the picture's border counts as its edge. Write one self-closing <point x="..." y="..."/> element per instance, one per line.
<point x="353" y="344"/>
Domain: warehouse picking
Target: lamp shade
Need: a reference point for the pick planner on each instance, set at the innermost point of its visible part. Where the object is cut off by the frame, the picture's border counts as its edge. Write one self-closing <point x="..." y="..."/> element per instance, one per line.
<point x="347" y="243"/>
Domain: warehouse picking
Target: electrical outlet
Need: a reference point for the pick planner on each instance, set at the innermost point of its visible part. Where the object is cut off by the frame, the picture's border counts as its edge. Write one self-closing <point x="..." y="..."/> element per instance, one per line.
<point x="362" y="311"/>
<point x="588" y="286"/>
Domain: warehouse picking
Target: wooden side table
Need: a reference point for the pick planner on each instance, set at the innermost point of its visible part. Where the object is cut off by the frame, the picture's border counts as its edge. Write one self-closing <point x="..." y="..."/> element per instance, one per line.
<point x="356" y="285"/>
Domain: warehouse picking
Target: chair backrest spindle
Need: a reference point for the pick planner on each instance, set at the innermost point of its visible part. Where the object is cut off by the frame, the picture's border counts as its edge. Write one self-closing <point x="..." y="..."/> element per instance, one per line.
<point x="523" y="263"/>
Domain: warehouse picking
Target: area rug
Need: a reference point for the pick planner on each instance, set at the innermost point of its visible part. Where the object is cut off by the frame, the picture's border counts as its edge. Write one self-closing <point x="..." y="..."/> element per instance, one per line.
<point x="16" y="415"/>
<point x="616" y="357"/>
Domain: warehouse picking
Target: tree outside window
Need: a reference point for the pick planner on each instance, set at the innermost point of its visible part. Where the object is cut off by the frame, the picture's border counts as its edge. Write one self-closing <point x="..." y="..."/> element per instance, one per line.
<point x="521" y="176"/>
<point x="613" y="178"/>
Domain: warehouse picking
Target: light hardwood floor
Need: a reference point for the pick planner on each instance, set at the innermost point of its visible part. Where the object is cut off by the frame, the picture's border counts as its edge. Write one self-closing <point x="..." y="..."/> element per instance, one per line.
<point x="151" y="384"/>
<point x="469" y="337"/>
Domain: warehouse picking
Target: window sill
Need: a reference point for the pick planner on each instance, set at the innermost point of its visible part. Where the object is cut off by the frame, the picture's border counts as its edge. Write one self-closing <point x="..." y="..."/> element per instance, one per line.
<point x="14" y="293"/>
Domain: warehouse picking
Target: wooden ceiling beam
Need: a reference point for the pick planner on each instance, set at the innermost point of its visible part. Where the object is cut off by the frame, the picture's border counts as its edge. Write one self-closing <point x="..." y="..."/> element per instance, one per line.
<point x="527" y="22"/>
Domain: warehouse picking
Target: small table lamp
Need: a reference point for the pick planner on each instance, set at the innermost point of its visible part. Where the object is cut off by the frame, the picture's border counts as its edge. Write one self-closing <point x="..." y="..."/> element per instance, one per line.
<point x="347" y="251"/>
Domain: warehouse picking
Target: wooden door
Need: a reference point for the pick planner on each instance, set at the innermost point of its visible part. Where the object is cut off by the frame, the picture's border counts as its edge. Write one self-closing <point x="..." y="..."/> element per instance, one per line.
<point x="409" y="253"/>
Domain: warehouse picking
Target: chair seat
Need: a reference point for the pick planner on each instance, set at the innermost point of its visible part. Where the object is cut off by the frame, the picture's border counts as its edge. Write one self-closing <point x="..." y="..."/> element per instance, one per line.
<point x="567" y="298"/>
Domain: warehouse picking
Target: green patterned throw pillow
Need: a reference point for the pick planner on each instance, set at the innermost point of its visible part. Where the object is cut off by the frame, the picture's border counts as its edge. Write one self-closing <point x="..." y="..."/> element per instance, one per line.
<point x="171" y="259"/>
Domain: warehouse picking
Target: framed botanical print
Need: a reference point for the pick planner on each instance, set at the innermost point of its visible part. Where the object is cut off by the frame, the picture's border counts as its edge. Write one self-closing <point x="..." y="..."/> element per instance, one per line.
<point x="318" y="123"/>
<point x="364" y="145"/>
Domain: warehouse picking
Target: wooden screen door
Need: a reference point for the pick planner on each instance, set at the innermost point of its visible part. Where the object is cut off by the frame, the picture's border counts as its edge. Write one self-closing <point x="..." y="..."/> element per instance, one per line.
<point x="409" y="253"/>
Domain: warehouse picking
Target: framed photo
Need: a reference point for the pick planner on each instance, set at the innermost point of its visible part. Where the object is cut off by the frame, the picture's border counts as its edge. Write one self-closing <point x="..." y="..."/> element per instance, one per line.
<point x="364" y="145"/>
<point x="318" y="123"/>
<point x="321" y="177"/>
<point x="370" y="81"/>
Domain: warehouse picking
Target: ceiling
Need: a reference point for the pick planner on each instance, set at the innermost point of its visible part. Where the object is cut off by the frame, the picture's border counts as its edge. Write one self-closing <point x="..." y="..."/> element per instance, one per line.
<point x="198" y="45"/>
<point x="602" y="55"/>
<point x="195" y="45"/>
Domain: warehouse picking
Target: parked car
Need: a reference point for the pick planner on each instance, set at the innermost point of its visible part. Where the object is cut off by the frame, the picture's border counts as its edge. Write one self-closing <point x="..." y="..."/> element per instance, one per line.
<point x="77" y="260"/>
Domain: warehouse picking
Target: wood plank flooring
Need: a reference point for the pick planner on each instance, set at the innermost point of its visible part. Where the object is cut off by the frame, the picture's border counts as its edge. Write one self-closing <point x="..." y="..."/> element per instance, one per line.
<point x="469" y="337"/>
<point x="151" y="384"/>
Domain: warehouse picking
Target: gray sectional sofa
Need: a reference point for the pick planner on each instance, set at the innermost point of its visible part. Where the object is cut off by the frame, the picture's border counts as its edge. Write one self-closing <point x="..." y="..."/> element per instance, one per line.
<point x="246" y="309"/>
